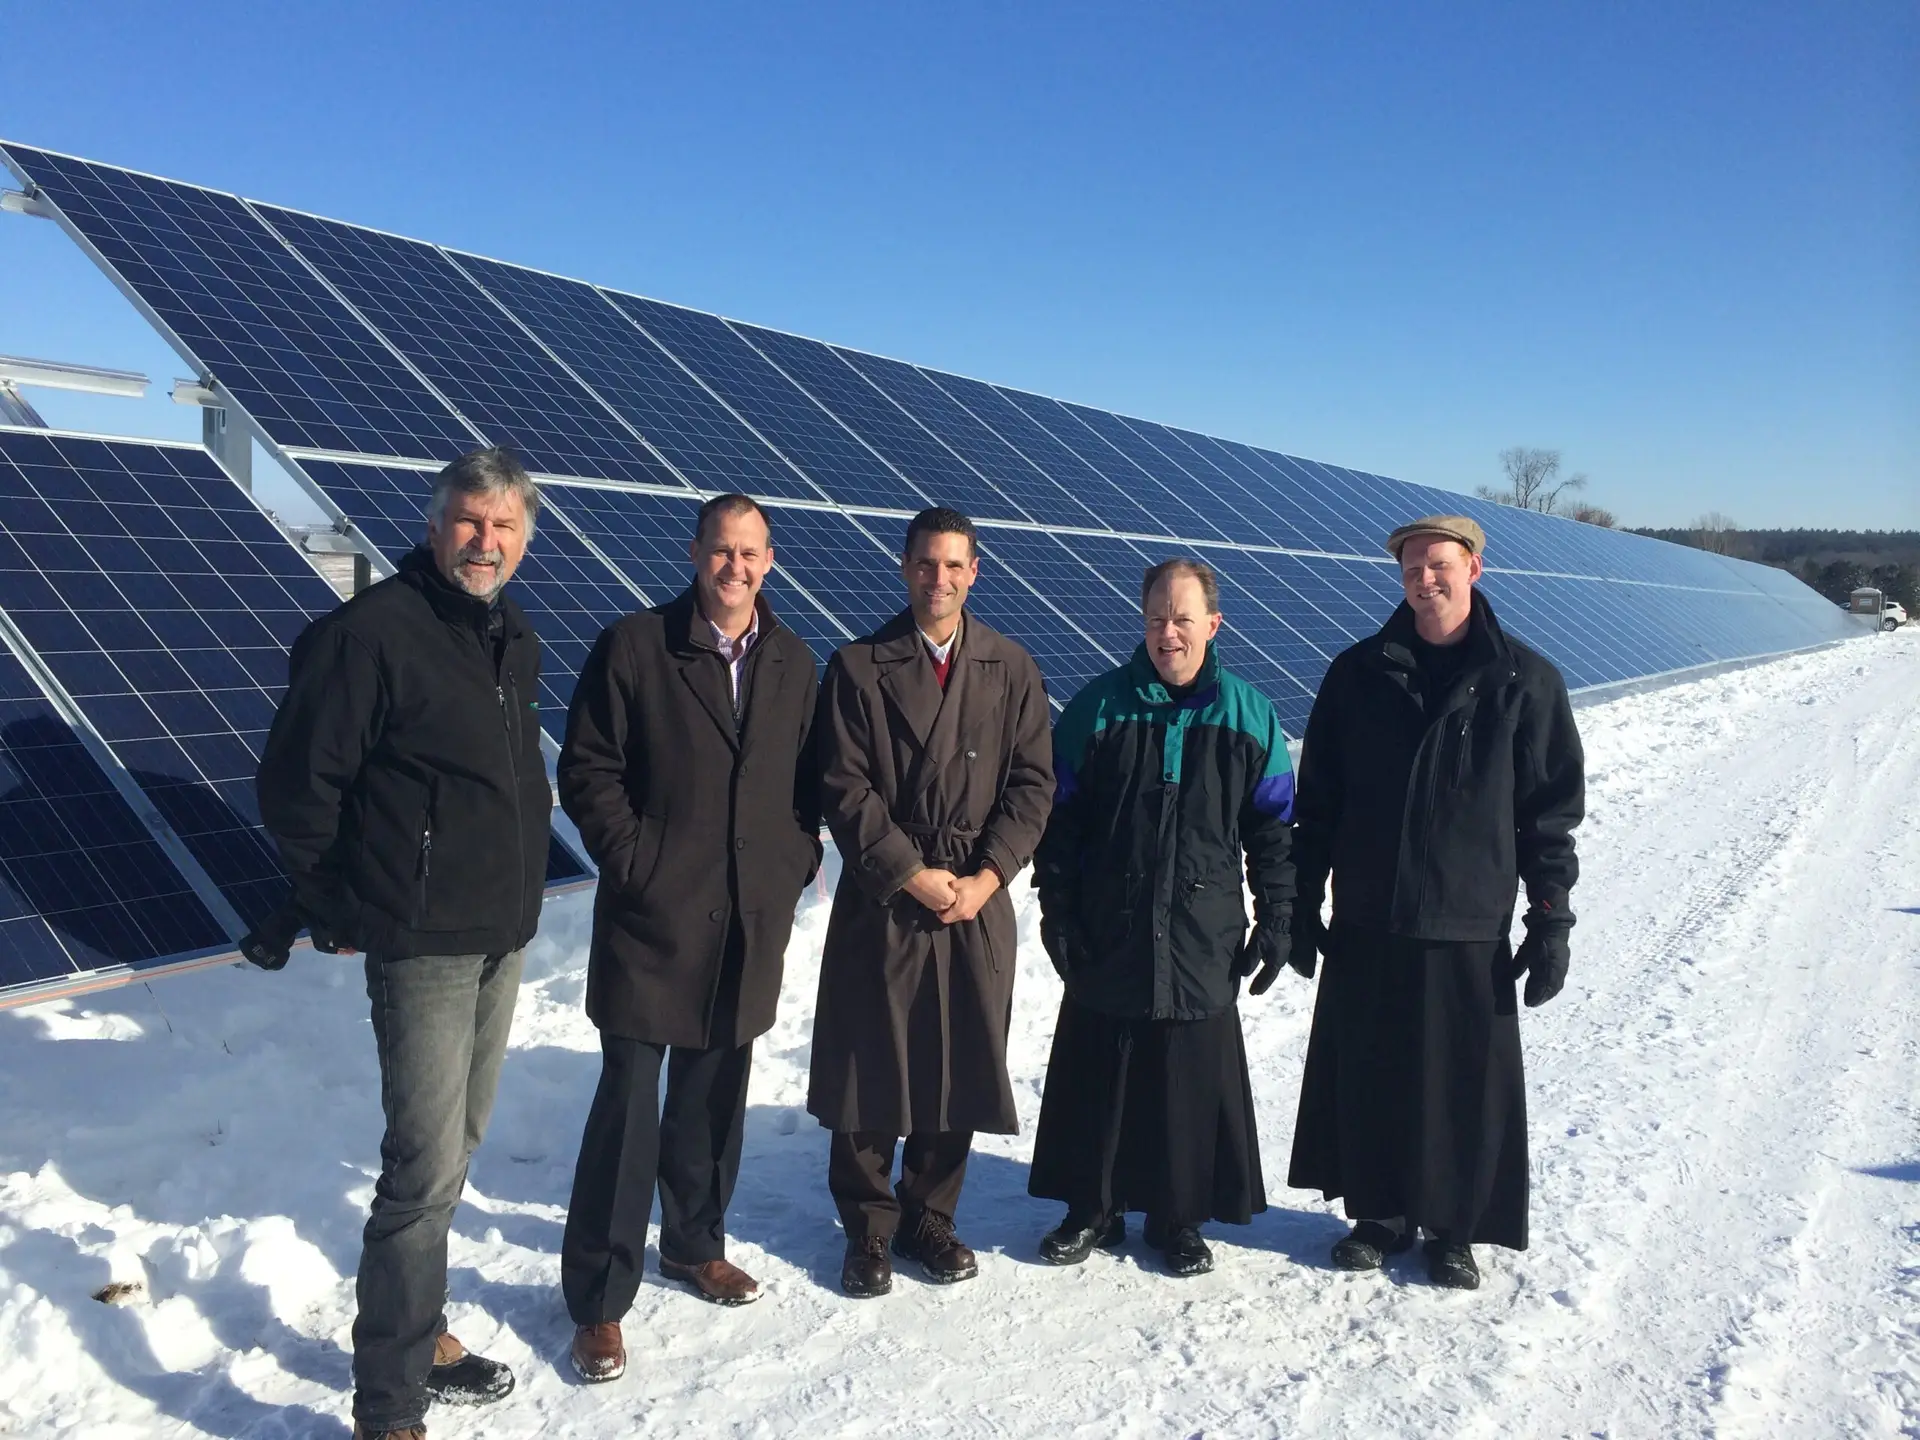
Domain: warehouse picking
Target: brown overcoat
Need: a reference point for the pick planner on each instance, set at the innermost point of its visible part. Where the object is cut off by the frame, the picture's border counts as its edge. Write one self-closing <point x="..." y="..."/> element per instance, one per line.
<point x="910" y="1030"/>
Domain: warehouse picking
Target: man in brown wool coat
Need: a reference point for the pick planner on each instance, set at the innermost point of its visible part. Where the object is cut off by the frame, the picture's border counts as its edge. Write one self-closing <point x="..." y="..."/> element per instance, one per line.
<point x="936" y="781"/>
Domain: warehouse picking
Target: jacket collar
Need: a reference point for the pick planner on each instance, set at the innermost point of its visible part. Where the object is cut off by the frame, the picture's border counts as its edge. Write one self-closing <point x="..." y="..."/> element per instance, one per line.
<point x="689" y="640"/>
<point x="688" y="631"/>
<point x="1152" y="690"/>
<point x="452" y="604"/>
<point x="1489" y="655"/>
<point x="905" y="669"/>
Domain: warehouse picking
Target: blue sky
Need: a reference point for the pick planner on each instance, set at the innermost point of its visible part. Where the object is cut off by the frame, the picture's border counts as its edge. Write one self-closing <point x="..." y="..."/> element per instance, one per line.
<point x="1680" y="242"/>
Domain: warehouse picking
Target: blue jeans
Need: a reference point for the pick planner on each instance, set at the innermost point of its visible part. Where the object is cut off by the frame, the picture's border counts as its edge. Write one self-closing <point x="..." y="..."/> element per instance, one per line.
<point x="441" y="1024"/>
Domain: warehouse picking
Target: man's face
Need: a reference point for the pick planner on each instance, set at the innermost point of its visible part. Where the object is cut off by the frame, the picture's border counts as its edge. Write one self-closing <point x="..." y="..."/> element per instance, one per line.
<point x="1438" y="575"/>
<point x="731" y="558"/>
<point x="1179" y="629"/>
<point x="939" y="571"/>
<point x="478" y="540"/>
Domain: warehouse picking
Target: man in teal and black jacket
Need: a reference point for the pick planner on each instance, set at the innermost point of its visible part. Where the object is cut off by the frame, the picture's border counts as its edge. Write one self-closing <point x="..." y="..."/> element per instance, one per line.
<point x="1172" y="781"/>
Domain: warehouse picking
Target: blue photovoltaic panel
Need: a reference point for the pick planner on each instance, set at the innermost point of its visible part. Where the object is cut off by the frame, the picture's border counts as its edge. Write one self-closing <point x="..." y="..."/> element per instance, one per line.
<point x="647" y="535"/>
<point x="164" y="603"/>
<point x="82" y="883"/>
<point x="1115" y="507"/>
<point x="1107" y="607"/>
<point x="497" y="377"/>
<point x="940" y="475"/>
<point x="569" y="596"/>
<point x="1037" y="495"/>
<point x="579" y="375"/>
<point x="251" y="314"/>
<point x="1174" y="502"/>
<point x="697" y="434"/>
<point x="790" y="420"/>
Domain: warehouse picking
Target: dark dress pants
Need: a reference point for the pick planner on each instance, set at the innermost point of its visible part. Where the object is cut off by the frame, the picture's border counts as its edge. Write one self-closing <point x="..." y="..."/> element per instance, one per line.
<point x="440" y="1022"/>
<point x="691" y="1152"/>
<point x="933" y="1167"/>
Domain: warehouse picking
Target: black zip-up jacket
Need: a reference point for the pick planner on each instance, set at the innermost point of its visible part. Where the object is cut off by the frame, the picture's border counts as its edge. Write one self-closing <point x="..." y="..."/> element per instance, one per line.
<point x="1161" y="804"/>
<point x="1429" y="811"/>
<point x="402" y="779"/>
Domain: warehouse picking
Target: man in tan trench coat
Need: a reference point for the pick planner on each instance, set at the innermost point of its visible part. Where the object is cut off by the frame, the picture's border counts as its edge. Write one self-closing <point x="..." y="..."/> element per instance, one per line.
<point x="936" y="780"/>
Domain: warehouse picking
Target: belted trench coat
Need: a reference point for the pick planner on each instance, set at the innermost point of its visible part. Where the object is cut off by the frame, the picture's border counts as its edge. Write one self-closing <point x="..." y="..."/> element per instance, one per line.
<point x="910" y="1030"/>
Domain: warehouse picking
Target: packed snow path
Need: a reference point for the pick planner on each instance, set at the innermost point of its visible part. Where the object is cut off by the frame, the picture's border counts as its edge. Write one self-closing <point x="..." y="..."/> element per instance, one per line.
<point x="1725" y="1124"/>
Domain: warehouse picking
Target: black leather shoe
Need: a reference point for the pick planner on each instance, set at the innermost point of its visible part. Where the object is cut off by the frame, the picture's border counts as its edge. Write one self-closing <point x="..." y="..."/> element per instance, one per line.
<point x="939" y="1250"/>
<point x="1076" y="1237"/>
<point x="1181" y="1246"/>
<point x="867" y="1271"/>
<point x="1452" y="1266"/>
<point x="1368" y="1245"/>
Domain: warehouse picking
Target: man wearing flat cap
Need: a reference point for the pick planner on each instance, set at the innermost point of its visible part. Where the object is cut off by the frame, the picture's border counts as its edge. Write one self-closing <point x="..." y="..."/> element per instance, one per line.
<point x="1441" y="772"/>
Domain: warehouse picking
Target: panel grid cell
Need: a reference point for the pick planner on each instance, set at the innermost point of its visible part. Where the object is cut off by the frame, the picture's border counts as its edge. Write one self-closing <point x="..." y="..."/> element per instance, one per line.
<point x="292" y="355"/>
<point x="840" y="467"/>
<point x="477" y="357"/>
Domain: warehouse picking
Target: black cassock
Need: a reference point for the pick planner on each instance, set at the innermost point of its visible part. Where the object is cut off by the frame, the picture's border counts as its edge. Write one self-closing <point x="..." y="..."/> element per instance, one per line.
<point x="1414" y="1101"/>
<point x="1149" y="1115"/>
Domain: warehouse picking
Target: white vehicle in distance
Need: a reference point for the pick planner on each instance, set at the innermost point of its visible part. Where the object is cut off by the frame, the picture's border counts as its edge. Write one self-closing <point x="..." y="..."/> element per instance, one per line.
<point x="1873" y="605"/>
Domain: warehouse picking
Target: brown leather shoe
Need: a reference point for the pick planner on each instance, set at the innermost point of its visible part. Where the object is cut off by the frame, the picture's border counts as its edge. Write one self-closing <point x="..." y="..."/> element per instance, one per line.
<point x="414" y="1432"/>
<point x="599" y="1352"/>
<point x="938" y="1249"/>
<point x="867" y="1271"/>
<point x="720" y="1281"/>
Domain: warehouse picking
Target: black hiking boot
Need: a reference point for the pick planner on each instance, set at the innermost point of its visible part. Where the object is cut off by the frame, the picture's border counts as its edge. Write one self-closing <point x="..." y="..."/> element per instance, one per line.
<point x="1181" y="1247"/>
<point x="933" y="1242"/>
<point x="1452" y="1266"/>
<point x="460" y="1377"/>
<point x="867" y="1271"/>
<point x="1076" y="1237"/>
<point x="1368" y="1245"/>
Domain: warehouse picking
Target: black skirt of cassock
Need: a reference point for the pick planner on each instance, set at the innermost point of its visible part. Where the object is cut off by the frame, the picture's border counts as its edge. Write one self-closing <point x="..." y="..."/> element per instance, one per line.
<point x="1414" y="1102"/>
<point x="1149" y="1115"/>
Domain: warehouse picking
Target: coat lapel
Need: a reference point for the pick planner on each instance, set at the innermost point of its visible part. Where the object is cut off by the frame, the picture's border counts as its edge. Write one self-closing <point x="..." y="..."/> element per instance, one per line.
<point x="908" y="679"/>
<point x="701" y="669"/>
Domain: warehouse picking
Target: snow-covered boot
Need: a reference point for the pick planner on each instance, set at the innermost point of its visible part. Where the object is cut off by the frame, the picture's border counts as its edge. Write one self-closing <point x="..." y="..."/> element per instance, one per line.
<point x="1452" y="1266"/>
<point x="460" y="1377"/>
<point x="1368" y="1244"/>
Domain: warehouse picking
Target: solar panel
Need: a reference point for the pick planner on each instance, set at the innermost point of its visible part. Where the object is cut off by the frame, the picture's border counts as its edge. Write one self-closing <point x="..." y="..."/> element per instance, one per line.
<point x="82" y="883"/>
<point x="499" y="378"/>
<point x="691" y="427"/>
<point x="790" y="420"/>
<point x="244" y="309"/>
<point x="651" y="399"/>
<point x="164" y="603"/>
<point x="568" y="594"/>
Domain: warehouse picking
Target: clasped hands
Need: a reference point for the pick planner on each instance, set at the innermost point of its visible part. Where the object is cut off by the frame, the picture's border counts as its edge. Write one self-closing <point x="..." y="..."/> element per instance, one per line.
<point x="951" y="897"/>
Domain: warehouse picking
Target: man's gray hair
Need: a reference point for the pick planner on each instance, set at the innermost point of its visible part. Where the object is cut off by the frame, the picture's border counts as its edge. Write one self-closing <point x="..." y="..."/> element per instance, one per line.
<point x="493" y="471"/>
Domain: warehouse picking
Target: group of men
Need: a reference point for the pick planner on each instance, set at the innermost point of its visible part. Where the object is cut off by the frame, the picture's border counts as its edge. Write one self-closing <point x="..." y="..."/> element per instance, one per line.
<point x="404" y="784"/>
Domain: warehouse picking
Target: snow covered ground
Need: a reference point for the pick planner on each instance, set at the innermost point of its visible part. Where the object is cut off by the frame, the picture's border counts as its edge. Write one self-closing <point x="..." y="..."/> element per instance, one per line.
<point x="1726" y="1139"/>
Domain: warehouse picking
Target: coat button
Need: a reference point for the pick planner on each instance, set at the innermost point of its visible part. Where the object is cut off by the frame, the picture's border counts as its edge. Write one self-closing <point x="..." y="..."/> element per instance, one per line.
<point x="714" y="915"/>
<point x="972" y="754"/>
<point x="740" y="844"/>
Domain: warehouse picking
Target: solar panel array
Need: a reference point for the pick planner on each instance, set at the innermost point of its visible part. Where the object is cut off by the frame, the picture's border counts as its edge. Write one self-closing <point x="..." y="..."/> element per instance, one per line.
<point x="364" y="361"/>
<point x="147" y="606"/>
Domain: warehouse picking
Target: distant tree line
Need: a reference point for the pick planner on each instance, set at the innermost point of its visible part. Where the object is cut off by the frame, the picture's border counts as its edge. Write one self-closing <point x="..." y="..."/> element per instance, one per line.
<point x="1834" y="562"/>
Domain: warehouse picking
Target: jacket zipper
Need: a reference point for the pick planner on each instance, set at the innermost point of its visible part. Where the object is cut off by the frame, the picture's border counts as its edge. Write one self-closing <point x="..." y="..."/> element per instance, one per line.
<point x="513" y="769"/>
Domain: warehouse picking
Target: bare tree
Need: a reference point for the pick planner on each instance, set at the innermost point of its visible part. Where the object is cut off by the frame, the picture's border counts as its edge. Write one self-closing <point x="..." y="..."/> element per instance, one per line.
<point x="1533" y="480"/>
<point x="1595" y="515"/>
<point x="1717" y="532"/>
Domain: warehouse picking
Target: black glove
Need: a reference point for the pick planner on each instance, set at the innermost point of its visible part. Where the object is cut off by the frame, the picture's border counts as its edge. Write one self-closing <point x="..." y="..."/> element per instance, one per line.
<point x="320" y="935"/>
<point x="1309" y="943"/>
<point x="1061" y="940"/>
<point x="269" y="943"/>
<point x="1265" y="951"/>
<point x="1542" y="958"/>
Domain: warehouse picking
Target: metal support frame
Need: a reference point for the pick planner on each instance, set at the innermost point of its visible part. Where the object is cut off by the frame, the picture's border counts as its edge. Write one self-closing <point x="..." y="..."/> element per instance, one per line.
<point x="15" y="409"/>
